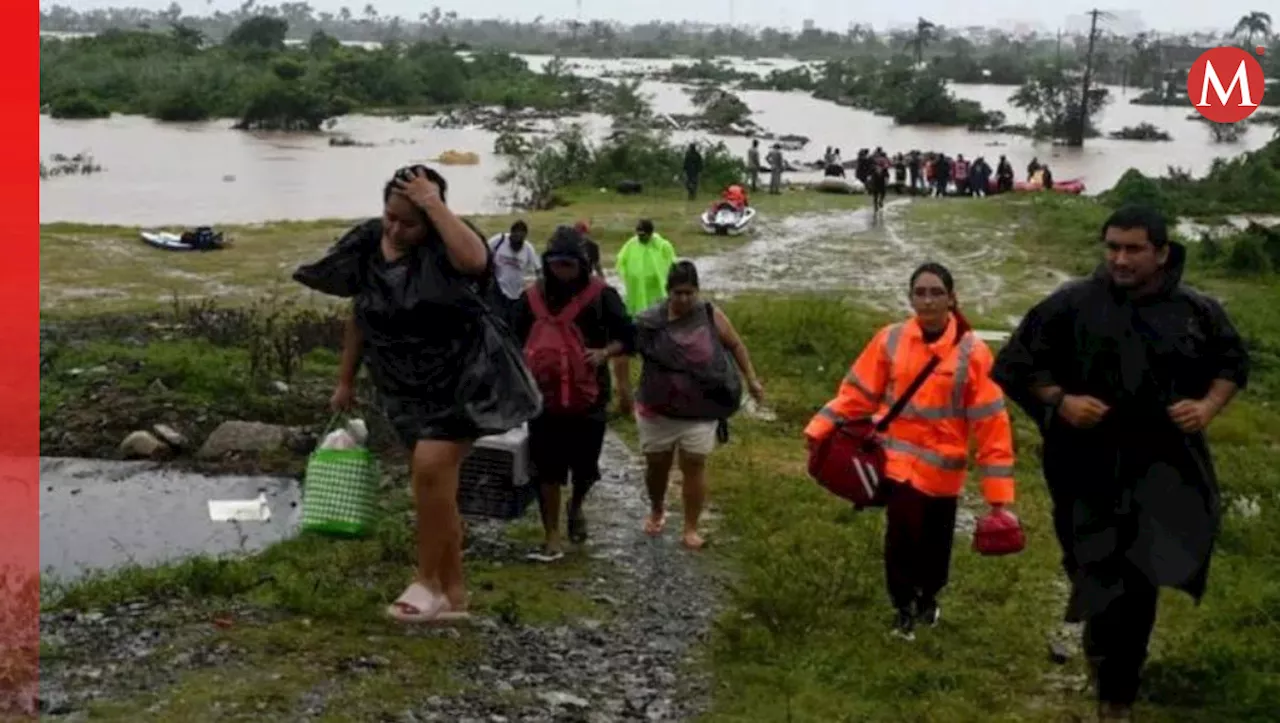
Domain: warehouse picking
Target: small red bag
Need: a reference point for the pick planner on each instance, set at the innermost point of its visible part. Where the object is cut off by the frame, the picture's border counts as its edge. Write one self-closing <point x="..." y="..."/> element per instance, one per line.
<point x="999" y="533"/>
<point x="850" y="462"/>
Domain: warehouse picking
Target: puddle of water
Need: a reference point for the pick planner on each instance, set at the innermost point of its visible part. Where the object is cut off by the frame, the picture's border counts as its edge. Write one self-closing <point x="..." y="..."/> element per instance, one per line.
<point x="853" y="251"/>
<point x="1191" y="230"/>
<point x="101" y="514"/>
<point x="847" y="250"/>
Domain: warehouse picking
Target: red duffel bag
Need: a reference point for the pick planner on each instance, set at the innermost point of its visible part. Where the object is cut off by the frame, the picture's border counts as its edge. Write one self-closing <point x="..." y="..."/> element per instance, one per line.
<point x="999" y="533"/>
<point x="850" y="462"/>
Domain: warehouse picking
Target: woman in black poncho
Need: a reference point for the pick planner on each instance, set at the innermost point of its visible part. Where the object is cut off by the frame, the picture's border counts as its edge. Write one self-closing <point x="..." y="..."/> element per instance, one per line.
<point x="417" y="277"/>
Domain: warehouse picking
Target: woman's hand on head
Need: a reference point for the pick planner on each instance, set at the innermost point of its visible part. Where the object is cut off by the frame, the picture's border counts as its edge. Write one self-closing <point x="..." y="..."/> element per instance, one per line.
<point x="419" y="189"/>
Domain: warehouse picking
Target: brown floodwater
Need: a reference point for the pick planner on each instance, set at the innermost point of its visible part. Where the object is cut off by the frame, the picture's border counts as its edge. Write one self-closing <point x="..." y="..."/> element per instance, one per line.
<point x="192" y="173"/>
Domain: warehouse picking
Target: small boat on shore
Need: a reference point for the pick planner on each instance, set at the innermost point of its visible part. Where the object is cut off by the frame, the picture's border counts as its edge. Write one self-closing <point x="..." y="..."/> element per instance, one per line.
<point x="201" y="239"/>
<point x="836" y="184"/>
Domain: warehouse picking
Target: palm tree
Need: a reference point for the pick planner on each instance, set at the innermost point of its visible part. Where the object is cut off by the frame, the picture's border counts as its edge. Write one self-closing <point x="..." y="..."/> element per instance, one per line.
<point x="1255" y="23"/>
<point x="926" y="33"/>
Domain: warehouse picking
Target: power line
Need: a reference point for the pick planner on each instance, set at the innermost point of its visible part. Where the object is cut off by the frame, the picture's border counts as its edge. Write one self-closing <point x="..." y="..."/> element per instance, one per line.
<point x="1083" y="112"/>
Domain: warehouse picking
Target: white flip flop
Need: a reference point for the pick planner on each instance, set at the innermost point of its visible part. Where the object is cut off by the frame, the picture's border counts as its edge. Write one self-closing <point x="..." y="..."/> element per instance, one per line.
<point x="417" y="604"/>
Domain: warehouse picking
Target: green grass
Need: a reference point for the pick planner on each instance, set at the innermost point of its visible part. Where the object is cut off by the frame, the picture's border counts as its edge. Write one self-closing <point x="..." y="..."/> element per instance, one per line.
<point x="127" y="275"/>
<point x="803" y="638"/>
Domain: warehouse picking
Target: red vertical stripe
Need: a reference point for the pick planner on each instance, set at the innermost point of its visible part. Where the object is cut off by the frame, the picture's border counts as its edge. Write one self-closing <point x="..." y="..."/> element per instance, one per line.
<point x="19" y="358"/>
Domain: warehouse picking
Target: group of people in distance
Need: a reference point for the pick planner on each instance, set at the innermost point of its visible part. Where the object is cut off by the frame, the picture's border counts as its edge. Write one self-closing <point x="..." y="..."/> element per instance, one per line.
<point x="1122" y="372"/>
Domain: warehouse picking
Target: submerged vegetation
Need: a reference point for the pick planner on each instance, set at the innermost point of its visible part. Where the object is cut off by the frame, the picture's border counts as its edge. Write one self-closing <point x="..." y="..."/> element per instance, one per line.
<point x="900" y="91"/>
<point x="1248" y="183"/>
<point x="539" y="170"/>
<point x="255" y="77"/>
<point x="971" y="54"/>
<point x="287" y="67"/>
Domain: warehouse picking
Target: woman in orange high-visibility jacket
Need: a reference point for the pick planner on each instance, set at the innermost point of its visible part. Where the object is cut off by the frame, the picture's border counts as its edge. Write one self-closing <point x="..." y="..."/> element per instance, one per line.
<point x="927" y="446"/>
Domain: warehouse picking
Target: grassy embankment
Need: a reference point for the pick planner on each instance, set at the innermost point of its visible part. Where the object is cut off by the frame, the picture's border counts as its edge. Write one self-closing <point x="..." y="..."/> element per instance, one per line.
<point x="307" y="604"/>
<point x="803" y="638"/>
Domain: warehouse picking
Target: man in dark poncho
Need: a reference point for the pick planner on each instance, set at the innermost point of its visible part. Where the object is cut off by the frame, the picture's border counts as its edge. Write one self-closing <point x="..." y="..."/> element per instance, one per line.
<point x="1123" y="371"/>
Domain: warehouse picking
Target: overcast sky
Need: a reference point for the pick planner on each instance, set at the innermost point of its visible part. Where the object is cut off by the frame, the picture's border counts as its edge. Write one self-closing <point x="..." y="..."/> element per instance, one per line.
<point x="1133" y="15"/>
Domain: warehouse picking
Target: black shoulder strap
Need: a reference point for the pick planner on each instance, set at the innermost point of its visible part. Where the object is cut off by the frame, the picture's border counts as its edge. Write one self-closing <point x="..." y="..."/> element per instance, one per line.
<point x="500" y="242"/>
<point x="905" y="399"/>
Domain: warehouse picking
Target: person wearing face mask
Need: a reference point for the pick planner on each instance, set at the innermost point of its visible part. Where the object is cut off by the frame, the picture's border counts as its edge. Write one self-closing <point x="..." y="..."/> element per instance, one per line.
<point x="927" y="444"/>
<point x="570" y="323"/>
<point x="515" y="264"/>
<point x="1123" y="372"/>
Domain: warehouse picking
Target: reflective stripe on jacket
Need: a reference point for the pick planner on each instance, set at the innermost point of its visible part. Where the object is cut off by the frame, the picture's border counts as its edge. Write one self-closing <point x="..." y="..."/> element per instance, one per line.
<point x="928" y="444"/>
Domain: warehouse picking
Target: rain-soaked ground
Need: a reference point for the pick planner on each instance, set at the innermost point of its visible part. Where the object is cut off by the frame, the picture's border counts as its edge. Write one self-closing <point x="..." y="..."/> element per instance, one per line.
<point x="628" y="668"/>
<point x="99" y="514"/>
<point x="870" y="257"/>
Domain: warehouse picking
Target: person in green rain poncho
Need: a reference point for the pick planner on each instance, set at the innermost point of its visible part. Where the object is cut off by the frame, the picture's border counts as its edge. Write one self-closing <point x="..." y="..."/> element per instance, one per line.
<point x="642" y="264"/>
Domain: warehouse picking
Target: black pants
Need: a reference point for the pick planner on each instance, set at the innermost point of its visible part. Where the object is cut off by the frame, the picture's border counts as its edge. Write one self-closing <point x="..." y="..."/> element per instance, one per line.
<point x="917" y="544"/>
<point x="1115" y="640"/>
<point x="1063" y="529"/>
<point x="505" y="307"/>
<point x="691" y="184"/>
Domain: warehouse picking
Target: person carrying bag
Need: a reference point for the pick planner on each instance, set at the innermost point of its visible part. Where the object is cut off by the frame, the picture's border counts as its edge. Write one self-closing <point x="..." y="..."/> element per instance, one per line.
<point x="908" y="450"/>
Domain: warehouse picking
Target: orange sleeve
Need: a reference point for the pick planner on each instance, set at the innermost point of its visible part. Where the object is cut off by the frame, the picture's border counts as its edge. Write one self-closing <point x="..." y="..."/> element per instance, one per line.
<point x="860" y="391"/>
<point x="989" y="424"/>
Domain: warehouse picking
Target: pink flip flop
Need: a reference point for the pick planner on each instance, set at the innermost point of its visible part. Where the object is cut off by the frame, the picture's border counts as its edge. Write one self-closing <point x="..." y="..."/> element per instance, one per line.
<point x="417" y="604"/>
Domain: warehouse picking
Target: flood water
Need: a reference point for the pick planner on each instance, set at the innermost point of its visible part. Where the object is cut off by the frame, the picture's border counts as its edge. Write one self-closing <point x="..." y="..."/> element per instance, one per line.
<point x="190" y="173"/>
<point x="101" y="514"/>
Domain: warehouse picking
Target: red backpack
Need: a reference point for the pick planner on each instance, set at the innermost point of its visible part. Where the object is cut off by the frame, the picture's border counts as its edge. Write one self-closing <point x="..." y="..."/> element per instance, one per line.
<point x="556" y="353"/>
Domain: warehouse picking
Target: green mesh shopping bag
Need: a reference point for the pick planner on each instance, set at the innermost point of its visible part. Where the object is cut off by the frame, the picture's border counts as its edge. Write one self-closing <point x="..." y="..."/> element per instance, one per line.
<point x="339" y="494"/>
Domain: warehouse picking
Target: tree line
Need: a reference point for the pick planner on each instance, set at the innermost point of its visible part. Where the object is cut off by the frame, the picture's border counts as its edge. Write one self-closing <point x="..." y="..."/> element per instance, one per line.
<point x="253" y="75"/>
<point x="968" y="55"/>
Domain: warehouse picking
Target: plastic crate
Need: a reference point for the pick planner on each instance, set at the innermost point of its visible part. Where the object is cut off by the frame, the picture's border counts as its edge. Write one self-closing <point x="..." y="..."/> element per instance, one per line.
<point x="494" y="480"/>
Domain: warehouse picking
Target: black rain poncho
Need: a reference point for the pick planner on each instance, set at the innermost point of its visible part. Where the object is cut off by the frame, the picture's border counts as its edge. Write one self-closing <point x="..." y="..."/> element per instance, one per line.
<point x="1134" y="493"/>
<point x="444" y="367"/>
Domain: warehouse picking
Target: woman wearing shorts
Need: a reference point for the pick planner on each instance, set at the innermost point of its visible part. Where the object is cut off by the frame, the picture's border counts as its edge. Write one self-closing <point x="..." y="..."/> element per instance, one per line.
<point x="688" y="387"/>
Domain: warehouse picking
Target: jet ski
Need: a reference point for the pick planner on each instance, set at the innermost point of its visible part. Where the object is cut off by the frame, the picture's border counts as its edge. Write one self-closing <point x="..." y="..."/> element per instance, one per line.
<point x="725" y="219"/>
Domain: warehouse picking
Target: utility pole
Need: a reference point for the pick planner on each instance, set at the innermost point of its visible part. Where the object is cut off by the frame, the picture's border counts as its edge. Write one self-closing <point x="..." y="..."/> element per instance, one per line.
<point x="1082" y="120"/>
<point x="1059" y="47"/>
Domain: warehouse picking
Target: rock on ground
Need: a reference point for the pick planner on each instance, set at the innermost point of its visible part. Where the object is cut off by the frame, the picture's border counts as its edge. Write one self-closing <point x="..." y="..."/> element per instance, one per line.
<point x="236" y="437"/>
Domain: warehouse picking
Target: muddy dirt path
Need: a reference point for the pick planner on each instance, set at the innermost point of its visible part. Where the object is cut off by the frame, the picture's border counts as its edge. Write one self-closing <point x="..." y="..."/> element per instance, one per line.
<point x="848" y="251"/>
<point x="633" y="667"/>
